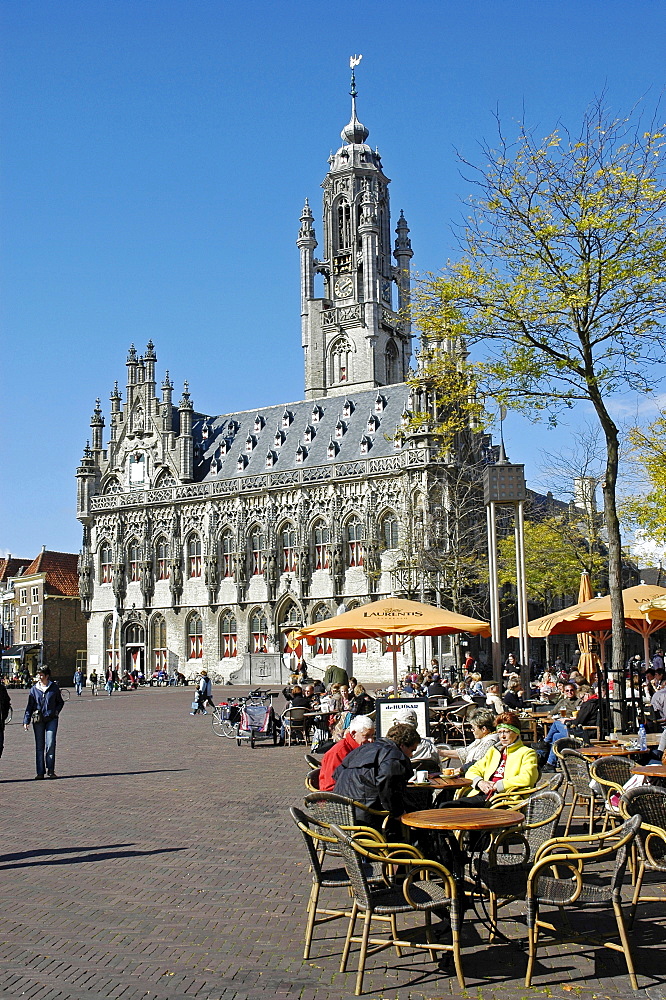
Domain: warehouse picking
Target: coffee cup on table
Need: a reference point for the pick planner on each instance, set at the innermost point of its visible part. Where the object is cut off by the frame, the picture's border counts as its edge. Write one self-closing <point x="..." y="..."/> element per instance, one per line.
<point x="421" y="777"/>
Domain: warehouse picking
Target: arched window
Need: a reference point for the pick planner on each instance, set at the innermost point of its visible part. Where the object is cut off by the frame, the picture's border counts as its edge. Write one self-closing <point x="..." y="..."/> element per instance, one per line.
<point x="162" y="553"/>
<point x="344" y="224"/>
<point x="323" y="644"/>
<point x="258" y="633"/>
<point x="158" y="643"/>
<point x="354" y="542"/>
<point x="288" y="540"/>
<point x="389" y="528"/>
<point x="105" y="563"/>
<point x="322" y="537"/>
<point x="165" y="478"/>
<point x="392" y="367"/>
<point x="228" y="635"/>
<point x="227" y="554"/>
<point x="111" y="644"/>
<point x="340" y="361"/>
<point x="112" y="486"/>
<point x="289" y="620"/>
<point x="134" y="559"/>
<point x="257" y="551"/>
<point x="358" y="645"/>
<point x="194" y="637"/>
<point x="134" y="634"/>
<point x="194" y="556"/>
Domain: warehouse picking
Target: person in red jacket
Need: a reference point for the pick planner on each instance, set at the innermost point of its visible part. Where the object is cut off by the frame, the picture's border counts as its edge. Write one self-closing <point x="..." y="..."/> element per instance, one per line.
<point x="361" y="730"/>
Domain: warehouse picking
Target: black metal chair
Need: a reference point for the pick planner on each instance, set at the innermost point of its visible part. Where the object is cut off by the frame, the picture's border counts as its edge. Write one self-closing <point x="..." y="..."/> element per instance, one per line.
<point x="568" y="855"/>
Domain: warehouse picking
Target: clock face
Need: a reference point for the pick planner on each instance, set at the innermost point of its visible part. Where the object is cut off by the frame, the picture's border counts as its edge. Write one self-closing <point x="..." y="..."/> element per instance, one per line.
<point x="344" y="287"/>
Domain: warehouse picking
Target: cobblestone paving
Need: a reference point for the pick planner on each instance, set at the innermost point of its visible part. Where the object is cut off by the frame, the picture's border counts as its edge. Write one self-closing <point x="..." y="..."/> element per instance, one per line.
<point x="163" y="865"/>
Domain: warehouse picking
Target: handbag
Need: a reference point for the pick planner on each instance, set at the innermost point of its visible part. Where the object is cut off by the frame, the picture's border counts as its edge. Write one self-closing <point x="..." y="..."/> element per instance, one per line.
<point x="195" y="706"/>
<point x="37" y="716"/>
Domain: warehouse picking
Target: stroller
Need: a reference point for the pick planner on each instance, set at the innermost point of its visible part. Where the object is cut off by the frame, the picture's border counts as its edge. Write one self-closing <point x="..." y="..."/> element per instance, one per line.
<point x="257" y="719"/>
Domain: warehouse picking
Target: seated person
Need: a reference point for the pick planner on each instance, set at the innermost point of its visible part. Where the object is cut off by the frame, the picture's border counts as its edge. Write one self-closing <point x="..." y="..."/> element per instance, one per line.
<point x="513" y="696"/>
<point x="425" y="756"/>
<point x="569" y="700"/>
<point x="476" y="686"/>
<point x="361" y="730"/>
<point x="376" y="774"/>
<point x="587" y="715"/>
<point x="361" y="703"/>
<point x="493" y="700"/>
<point x="482" y="721"/>
<point x="508" y="767"/>
<point x="436" y="689"/>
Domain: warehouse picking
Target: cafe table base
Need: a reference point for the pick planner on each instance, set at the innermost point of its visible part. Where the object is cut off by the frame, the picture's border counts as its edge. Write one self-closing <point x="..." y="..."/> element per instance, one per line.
<point x="445" y="823"/>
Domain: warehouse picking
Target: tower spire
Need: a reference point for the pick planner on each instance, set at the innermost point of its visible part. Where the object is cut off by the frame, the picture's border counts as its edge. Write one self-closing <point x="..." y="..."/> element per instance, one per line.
<point x="354" y="131"/>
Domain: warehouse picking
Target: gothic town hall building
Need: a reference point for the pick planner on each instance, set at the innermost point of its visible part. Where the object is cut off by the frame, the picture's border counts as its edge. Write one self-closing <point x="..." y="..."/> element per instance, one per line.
<point x="205" y="537"/>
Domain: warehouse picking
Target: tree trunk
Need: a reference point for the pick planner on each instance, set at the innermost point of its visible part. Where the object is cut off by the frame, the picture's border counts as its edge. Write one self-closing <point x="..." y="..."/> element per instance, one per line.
<point x="619" y="655"/>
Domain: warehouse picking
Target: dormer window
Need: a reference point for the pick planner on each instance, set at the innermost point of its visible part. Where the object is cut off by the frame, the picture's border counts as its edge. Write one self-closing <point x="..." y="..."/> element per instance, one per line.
<point x="224" y="447"/>
<point x="373" y="423"/>
<point x="205" y="432"/>
<point x="250" y="442"/>
<point x="380" y="403"/>
<point x="366" y="444"/>
<point x="317" y="414"/>
<point x="405" y="417"/>
<point x="242" y="462"/>
<point x="398" y="442"/>
<point x="340" y="429"/>
<point x="233" y="426"/>
<point x="287" y="418"/>
<point x="309" y="433"/>
<point x="332" y="449"/>
<point x="258" y="423"/>
<point x="348" y="408"/>
<point x="278" y="440"/>
<point x="301" y="454"/>
<point x="271" y="459"/>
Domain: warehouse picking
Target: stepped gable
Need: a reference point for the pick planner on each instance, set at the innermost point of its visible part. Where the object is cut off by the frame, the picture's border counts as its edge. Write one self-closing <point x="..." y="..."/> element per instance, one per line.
<point x="62" y="578"/>
<point x="312" y="424"/>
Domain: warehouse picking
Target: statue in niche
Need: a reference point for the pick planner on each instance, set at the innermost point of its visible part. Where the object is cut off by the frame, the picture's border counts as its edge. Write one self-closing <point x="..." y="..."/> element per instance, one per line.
<point x="271" y="576"/>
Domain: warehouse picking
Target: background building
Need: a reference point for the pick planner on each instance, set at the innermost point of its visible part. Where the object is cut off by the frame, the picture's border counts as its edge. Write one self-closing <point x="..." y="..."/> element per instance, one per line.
<point x="206" y="537"/>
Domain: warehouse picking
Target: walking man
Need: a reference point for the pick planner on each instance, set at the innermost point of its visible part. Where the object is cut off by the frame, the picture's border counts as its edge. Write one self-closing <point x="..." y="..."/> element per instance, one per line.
<point x="78" y="680"/>
<point x="5" y="706"/>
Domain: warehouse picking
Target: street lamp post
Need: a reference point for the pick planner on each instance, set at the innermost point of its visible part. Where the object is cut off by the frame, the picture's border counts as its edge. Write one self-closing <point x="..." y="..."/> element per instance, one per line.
<point x="504" y="486"/>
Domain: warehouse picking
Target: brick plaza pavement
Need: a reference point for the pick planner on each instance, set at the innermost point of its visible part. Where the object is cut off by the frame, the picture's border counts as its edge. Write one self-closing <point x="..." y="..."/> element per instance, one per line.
<point x="163" y="865"/>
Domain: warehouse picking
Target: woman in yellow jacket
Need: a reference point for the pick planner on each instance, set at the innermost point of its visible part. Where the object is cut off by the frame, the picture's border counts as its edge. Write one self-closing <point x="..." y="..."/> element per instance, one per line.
<point x="508" y="767"/>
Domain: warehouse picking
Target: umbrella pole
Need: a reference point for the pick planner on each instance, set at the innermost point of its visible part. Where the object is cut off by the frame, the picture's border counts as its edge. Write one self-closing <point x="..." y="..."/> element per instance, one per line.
<point x="395" y="664"/>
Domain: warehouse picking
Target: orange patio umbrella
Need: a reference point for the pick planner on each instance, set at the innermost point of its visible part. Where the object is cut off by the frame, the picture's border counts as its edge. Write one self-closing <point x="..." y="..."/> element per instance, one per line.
<point x="588" y="661"/>
<point x="395" y="619"/>
<point x="595" y="616"/>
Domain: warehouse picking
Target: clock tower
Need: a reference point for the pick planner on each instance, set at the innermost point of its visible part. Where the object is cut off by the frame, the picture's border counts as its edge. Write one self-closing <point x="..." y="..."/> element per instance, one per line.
<point x="357" y="335"/>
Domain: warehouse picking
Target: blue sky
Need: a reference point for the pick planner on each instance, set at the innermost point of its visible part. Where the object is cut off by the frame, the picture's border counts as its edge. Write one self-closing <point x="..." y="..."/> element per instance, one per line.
<point x="156" y="158"/>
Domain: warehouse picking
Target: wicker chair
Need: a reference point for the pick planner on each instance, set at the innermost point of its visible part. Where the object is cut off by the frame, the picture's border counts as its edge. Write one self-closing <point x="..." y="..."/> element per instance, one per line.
<point x="312" y="780"/>
<point x="611" y="773"/>
<point x="505" y="869"/>
<point x="566" y="743"/>
<point x="317" y="838"/>
<point x="562" y="856"/>
<point x="577" y="772"/>
<point x="455" y="724"/>
<point x="328" y="808"/>
<point x="650" y="804"/>
<point x="427" y="887"/>
<point x="294" y="725"/>
<point x="312" y="761"/>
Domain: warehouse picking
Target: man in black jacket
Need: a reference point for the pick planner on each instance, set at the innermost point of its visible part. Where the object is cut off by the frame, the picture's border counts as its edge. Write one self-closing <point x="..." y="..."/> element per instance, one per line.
<point x="376" y="774"/>
<point x="5" y="705"/>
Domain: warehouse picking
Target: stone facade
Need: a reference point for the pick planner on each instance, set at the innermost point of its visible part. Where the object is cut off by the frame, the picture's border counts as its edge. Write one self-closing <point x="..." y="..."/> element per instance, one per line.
<point x="206" y="537"/>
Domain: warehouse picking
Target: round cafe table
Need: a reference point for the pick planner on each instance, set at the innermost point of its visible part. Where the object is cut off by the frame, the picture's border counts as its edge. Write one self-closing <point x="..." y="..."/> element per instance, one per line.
<point x="655" y="771"/>
<point x="594" y="753"/>
<point x="445" y="823"/>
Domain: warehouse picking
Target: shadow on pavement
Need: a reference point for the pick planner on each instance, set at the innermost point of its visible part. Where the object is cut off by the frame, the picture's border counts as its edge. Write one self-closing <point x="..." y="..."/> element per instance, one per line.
<point x="100" y="856"/>
<point x="101" y="774"/>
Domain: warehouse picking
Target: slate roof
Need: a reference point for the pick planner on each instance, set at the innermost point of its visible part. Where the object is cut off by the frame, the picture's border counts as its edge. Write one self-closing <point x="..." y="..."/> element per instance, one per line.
<point x="11" y="566"/>
<point x="62" y="578"/>
<point x="218" y="441"/>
